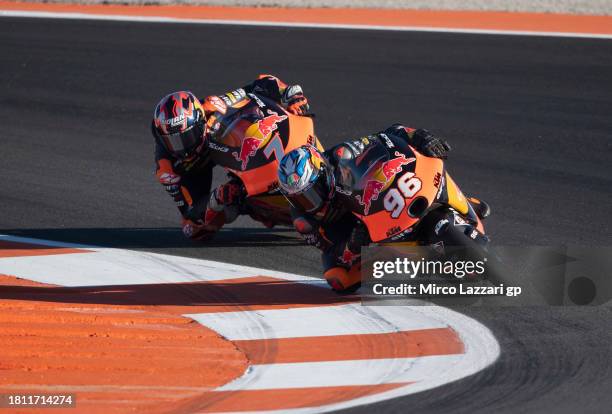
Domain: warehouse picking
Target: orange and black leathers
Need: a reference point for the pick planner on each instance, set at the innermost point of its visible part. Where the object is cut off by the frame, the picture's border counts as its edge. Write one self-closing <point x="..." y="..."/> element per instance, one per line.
<point x="189" y="183"/>
<point x="335" y="230"/>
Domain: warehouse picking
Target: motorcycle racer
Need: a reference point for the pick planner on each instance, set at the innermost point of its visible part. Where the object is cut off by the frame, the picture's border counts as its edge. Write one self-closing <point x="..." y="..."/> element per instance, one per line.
<point x="314" y="184"/>
<point x="181" y="126"/>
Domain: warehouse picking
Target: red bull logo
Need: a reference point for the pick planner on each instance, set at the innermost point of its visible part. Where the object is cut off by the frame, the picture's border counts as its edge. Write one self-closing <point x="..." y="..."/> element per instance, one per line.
<point x="268" y="125"/>
<point x="373" y="187"/>
<point x="251" y="144"/>
<point x="249" y="148"/>
<point x="348" y="257"/>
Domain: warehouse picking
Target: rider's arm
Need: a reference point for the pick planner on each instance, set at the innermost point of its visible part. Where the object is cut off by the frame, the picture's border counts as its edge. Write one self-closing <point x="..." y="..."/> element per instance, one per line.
<point x="291" y="97"/>
<point x="421" y="139"/>
<point x="311" y="230"/>
<point x="269" y="86"/>
<point x="340" y="241"/>
<point x="169" y="179"/>
<point x="190" y="196"/>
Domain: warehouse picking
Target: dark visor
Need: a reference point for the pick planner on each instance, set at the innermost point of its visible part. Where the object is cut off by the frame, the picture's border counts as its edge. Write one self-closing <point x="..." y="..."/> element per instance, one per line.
<point x="313" y="198"/>
<point x="182" y="144"/>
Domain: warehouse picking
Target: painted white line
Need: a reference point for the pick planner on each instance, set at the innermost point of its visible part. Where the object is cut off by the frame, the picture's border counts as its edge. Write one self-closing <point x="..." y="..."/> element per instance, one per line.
<point x="107" y="266"/>
<point x="350" y="319"/>
<point x="155" y="19"/>
<point x="344" y="373"/>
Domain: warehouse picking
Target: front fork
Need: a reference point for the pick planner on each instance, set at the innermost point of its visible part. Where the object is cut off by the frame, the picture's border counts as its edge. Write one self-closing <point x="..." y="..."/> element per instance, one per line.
<point x="447" y="227"/>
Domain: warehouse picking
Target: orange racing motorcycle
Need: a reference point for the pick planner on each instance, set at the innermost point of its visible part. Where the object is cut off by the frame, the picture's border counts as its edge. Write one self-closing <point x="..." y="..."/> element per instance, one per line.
<point x="249" y="141"/>
<point x="405" y="198"/>
<point x="400" y="197"/>
<point x="398" y="191"/>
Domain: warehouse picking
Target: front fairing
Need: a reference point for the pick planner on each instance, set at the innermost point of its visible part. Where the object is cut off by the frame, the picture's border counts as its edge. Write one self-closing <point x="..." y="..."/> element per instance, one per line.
<point x="391" y="218"/>
<point x="367" y="183"/>
<point x="250" y="141"/>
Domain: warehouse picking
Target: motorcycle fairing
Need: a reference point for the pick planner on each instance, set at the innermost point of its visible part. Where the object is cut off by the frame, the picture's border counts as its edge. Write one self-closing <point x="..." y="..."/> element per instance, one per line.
<point x="381" y="225"/>
<point x="253" y="149"/>
<point x="455" y="197"/>
<point x="437" y="188"/>
<point x="363" y="174"/>
<point x="451" y="195"/>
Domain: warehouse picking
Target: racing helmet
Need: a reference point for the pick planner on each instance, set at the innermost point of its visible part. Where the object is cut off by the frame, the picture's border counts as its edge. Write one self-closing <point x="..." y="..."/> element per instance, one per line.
<point x="306" y="179"/>
<point x="180" y="125"/>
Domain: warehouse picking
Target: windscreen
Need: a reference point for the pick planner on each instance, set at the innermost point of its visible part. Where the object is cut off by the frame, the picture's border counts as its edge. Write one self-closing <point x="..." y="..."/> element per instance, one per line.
<point x="232" y="127"/>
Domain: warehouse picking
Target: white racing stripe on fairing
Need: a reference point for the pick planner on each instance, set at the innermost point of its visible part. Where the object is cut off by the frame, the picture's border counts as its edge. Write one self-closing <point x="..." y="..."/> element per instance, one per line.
<point x="156" y="19"/>
<point x="344" y="373"/>
<point x="350" y="319"/>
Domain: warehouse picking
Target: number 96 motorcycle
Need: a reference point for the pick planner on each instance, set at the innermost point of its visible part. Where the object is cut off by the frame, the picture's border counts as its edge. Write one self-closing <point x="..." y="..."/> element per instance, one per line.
<point x="403" y="198"/>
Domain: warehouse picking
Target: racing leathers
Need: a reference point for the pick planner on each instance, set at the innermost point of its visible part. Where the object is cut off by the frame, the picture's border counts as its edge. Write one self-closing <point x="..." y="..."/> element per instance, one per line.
<point x="189" y="181"/>
<point x="334" y="229"/>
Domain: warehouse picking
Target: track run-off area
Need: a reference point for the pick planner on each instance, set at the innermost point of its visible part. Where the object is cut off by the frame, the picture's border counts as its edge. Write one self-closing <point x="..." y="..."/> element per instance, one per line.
<point x="557" y="25"/>
<point x="306" y="349"/>
<point x="528" y="119"/>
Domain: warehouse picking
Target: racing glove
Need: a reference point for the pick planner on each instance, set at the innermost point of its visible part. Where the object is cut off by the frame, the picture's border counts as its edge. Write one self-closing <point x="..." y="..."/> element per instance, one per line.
<point x="221" y="209"/>
<point x="312" y="233"/>
<point x="172" y="185"/>
<point x="197" y="230"/>
<point x="294" y="100"/>
<point x="429" y="144"/>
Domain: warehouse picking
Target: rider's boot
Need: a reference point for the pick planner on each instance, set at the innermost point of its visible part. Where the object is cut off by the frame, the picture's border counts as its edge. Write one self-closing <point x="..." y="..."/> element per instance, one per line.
<point x="343" y="281"/>
<point x="482" y="208"/>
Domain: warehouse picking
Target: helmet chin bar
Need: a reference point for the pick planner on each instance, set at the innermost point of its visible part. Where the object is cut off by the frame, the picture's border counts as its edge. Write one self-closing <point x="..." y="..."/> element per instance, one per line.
<point x="313" y="198"/>
<point x="193" y="154"/>
<point x="186" y="145"/>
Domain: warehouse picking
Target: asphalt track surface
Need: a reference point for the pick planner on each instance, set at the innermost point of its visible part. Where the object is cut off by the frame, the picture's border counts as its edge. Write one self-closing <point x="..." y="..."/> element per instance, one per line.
<point x="529" y="119"/>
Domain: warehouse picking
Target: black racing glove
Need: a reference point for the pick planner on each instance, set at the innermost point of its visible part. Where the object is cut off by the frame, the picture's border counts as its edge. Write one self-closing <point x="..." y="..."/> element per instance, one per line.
<point x="430" y="145"/>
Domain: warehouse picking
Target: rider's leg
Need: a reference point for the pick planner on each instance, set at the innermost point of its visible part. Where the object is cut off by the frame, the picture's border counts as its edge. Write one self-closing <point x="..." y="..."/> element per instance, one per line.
<point x="341" y="279"/>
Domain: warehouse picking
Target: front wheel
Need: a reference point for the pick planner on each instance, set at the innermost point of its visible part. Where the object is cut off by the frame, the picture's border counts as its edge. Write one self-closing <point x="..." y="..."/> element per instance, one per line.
<point x="454" y="236"/>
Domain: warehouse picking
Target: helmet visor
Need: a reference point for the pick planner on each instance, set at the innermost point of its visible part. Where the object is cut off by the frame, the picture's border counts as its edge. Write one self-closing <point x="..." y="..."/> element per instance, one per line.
<point x="312" y="198"/>
<point x="183" y="144"/>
